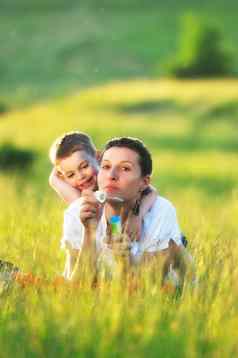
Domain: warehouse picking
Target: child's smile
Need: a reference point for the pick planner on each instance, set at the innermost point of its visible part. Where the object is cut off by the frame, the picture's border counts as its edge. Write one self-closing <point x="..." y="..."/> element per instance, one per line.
<point x="87" y="184"/>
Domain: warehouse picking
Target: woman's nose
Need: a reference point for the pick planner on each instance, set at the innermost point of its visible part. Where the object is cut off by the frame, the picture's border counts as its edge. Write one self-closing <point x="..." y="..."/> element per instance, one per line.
<point x="113" y="174"/>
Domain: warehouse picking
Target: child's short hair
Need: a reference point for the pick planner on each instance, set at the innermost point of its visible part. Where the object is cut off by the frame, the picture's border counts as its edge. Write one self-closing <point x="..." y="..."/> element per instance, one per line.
<point x="69" y="143"/>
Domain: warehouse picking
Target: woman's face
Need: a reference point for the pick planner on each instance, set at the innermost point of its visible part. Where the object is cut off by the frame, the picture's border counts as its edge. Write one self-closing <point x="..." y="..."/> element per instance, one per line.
<point x="79" y="170"/>
<point x="120" y="174"/>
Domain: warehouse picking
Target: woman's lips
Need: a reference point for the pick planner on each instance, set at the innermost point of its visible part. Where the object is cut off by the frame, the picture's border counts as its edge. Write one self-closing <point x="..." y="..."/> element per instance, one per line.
<point x="111" y="189"/>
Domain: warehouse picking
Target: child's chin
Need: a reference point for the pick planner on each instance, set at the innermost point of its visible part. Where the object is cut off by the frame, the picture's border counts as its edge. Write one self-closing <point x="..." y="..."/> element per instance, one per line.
<point x="89" y="187"/>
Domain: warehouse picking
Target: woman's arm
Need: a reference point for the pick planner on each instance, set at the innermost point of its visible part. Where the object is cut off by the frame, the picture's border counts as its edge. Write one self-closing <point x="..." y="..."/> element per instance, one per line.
<point x="81" y="264"/>
<point x="176" y="265"/>
<point x="63" y="189"/>
<point x="70" y="262"/>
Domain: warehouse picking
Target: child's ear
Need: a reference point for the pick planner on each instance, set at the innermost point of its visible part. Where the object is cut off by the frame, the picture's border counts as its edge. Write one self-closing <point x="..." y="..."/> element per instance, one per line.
<point x="58" y="173"/>
<point x="98" y="155"/>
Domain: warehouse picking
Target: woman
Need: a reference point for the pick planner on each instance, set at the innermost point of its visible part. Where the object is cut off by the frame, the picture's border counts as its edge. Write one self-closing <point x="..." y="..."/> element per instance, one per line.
<point x="124" y="173"/>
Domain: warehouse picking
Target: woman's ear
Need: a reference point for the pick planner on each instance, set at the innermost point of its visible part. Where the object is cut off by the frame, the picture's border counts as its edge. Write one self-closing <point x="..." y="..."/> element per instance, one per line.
<point x="146" y="182"/>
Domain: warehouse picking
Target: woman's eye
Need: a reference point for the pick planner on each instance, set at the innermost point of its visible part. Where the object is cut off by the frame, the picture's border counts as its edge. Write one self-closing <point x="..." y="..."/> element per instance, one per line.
<point x="126" y="169"/>
<point x="84" y="166"/>
<point x="105" y="166"/>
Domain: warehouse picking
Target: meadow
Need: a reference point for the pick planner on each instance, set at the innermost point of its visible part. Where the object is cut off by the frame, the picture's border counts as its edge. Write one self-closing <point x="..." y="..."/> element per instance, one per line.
<point x="191" y="129"/>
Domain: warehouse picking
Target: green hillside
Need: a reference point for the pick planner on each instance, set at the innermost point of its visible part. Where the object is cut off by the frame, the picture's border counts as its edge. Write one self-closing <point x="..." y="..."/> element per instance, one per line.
<point x="50" y="48"/>
<point x="187" y="124"/>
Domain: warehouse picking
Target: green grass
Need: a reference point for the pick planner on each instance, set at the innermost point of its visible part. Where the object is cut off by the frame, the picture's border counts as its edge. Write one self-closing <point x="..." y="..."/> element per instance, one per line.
<point x="51" y="48"/>
<point x="195" y="166"/>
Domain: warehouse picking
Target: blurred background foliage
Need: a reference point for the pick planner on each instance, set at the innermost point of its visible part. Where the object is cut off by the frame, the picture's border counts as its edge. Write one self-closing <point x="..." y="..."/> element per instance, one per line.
<point x="52" y="48"/>
<point x="12" y="157"/>
<point x="202" y="51"/>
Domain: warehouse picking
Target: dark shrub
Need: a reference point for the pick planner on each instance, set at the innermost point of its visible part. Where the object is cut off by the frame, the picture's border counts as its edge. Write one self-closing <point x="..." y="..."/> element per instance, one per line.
<point x="3" y="108"/>
<point x="12" y="157"/>
<point x="202" y="52"/>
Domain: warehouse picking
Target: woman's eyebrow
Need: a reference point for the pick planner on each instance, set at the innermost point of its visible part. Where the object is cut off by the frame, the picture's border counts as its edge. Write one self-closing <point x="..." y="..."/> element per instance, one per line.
<point x="126" y="161"/>
<point x="105" y="160"/>
<point x="121" y="162"/>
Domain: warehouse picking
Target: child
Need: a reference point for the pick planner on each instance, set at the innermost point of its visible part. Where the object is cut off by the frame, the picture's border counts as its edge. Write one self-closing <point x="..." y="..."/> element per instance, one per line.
<point x="74" y="158"/>
<point x="75" y="161"/>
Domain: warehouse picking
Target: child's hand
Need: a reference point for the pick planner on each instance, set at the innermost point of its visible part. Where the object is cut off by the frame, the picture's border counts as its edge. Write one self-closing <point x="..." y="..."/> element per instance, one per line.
<point x="134" y="222"/>
<point x="147" y="202"/>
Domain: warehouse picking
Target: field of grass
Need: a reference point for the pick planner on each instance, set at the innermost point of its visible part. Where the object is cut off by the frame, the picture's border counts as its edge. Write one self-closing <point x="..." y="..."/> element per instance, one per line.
<point x="50" y="48"/>
<point x="191" y="129"/>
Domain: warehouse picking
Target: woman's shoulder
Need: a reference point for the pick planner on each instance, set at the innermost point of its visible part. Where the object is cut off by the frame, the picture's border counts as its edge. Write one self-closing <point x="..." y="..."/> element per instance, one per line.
<point x="162" y="209"/>
<point x="162" y="204"/>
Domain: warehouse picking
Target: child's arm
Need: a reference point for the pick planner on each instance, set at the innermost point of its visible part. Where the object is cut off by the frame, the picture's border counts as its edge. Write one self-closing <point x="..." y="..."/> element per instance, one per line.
<point x="63" y="189"/>
<point x="147" y="201"/>
<point x="134" y="223"/>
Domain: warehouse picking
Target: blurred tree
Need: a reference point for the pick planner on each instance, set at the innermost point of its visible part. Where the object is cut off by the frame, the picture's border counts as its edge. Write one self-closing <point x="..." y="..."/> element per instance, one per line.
<point x="202" y="52"/>
<point x="12" y="157"/>
<point x="3" y="107"/>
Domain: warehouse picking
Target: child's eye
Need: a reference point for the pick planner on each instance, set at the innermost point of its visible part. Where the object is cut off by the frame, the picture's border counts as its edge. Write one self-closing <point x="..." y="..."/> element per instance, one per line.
<point x="84" y="166"/>
<point x="70" y="175"/>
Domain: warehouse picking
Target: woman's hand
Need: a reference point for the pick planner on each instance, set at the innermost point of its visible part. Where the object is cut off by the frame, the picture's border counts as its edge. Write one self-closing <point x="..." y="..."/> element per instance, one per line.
<point x="89" y="208"/>
<point x="120" y="248"/>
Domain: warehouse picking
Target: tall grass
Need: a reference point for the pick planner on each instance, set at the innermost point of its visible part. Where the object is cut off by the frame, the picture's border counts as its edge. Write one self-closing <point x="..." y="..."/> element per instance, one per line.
<point x="49" y="320"/>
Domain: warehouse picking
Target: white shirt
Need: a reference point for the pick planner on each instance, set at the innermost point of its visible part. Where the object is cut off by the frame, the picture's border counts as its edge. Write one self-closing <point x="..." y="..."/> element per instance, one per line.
<point x="159" y="226"/>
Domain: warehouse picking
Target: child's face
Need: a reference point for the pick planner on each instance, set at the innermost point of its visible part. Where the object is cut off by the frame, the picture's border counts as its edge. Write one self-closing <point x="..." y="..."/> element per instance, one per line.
<point x="79" y="170"/>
